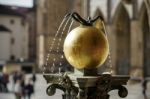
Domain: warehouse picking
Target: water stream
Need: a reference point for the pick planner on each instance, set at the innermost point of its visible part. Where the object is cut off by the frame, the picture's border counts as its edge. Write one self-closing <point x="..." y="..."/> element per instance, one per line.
<point x="52" y="65"/>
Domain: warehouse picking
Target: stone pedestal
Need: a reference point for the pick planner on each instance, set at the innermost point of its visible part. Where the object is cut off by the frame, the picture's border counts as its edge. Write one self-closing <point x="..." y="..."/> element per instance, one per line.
<point x="76" y="86"/>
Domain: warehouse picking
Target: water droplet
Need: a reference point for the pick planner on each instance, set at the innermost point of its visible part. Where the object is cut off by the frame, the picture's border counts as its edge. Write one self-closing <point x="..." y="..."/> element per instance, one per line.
<point x="70" y="26"/>
<point x="53" y="64"/>
<point x="62" y="56"/>
<point x="64" y="22"/>
<point x="59" y="69"/>
<point x="50" y="48"/>
<point x="54" y="60"/>
<point x="44" y="68"/>
<point x="52" y="68"/>
<point x="47" y="58"/>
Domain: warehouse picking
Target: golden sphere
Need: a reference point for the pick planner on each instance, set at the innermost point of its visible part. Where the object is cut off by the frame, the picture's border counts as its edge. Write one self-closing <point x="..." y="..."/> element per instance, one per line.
<point x="86" y="47"/>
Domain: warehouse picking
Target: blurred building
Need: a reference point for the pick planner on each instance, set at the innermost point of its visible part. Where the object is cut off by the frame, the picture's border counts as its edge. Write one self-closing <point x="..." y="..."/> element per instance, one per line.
<point x="128" y="32"/>
<point x="18" y="43"/>
<point x="18" y="38"/>
<point x="5" y="43"/>
<point x="32" y="34"/>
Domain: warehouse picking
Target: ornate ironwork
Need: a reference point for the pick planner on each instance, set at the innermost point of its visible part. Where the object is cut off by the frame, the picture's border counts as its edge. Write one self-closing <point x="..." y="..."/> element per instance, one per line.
<point x="61" y="82"/>
<point x="107" y="83"/>
<point x="104" y="84"/>
<point x="79" y="19"/>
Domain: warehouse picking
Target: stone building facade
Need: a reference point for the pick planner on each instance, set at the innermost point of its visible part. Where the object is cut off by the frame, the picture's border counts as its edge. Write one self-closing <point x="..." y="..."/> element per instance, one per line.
<point x="126" y="23"/>
<point x="15" y="22"/>
<point x="128" y="33"/>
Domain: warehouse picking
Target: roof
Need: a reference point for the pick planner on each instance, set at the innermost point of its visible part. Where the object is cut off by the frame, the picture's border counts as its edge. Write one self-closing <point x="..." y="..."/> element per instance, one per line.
<point x="4" y="29"/>
<point x="4" y="10"/>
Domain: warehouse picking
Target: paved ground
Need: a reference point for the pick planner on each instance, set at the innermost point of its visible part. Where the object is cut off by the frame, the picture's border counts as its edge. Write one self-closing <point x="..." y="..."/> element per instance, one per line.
<point x="135" y="91"/>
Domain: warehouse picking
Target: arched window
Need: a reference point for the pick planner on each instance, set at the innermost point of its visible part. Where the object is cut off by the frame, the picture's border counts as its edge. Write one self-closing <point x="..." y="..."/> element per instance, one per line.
<point x="146" y="40"/>
<point x="121" y="25"/>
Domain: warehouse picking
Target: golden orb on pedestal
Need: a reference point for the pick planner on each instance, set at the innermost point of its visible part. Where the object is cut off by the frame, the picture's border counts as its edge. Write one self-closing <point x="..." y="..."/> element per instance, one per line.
<point x="86" y="47"/>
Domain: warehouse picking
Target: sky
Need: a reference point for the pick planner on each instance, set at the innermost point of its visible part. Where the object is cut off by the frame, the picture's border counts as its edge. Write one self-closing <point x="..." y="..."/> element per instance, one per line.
<point x="20" y="3"/>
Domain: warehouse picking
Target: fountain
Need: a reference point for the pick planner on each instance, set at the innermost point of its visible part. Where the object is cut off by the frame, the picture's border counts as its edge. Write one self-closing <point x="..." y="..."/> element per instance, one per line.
<point x="84" y="49"/>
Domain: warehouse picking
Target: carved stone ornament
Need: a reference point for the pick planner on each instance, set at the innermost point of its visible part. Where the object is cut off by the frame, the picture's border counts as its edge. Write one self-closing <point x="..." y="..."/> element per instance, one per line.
<point x="98" y="89"/>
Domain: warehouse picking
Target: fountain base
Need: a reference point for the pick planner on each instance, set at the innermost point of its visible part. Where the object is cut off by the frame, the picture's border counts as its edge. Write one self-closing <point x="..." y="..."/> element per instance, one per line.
<point x="77" y="86"/>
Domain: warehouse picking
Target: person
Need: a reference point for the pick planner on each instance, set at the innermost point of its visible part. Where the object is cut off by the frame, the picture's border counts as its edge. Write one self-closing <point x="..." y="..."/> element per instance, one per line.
<point x="14" y="76"/>
<point x="17" y="89"/>
<point x="29" y="88"/>
<point x="1" y="83"/>
<point x="34" y="78"/>
<point x="144" y="85"/>
<point x="19" y="75"/>
<point x="23" y="87"/>
<point x="5" y="81"/>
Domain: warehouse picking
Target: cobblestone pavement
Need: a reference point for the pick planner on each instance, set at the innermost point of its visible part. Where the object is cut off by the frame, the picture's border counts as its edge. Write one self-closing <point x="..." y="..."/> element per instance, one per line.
<point x="134" y="90"/>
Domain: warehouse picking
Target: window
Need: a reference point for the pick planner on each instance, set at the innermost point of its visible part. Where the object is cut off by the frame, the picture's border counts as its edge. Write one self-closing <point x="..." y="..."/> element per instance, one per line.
<point x="23" y="22"/>
<point x="12" y="57"/>
<point x="12" y="21"/>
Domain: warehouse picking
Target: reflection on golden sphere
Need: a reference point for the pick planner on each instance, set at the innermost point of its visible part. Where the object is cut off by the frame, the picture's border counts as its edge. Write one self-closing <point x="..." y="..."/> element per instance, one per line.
<point x="86" y="47"/>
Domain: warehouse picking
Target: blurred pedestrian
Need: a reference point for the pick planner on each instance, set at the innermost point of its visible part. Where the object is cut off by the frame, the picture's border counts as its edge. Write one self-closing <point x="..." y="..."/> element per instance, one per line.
<point x="18" y="75"/>
<point x="5" y="81"/>
<point x="29" y="89"/>
<point x="22" y="79"/>
<point x="144" y="85"/>
<point x="23" y="88"/>
<point x="34" y="78"/>
<point x="1" y="83"/>
<point x="14" y="78"/>
<point x="17" y="89"/>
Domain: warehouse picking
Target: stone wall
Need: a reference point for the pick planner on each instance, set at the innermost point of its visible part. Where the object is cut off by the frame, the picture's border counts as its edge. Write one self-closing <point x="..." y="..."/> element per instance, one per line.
<point x="136" y="45"/>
